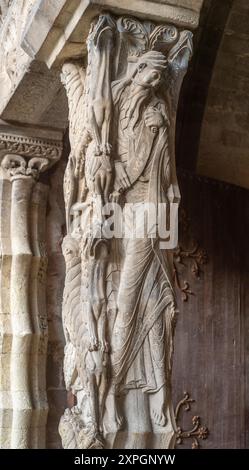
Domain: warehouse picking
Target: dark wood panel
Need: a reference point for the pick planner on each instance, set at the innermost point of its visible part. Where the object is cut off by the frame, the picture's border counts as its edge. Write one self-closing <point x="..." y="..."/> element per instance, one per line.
<point x="212" y="342"/>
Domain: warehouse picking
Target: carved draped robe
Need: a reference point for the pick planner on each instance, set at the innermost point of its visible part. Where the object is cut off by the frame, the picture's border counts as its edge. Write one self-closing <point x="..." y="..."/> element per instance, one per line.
<point x="120" y="373"/>
<point x="143" y="330"/>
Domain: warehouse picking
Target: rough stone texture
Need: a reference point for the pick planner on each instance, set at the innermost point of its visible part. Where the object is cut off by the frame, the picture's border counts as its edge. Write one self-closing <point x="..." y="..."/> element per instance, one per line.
<point x="62" y="26"/>
<point x="195" y="88"/>
<point x="23" y="317"/>
<point x="56" y="392"/>
<point x="118" y="305"/>
<point x="225" y="122"/>
<point x="38" y="98"/>
<point x="71" y="21"/>
<point x="14" y="61"/>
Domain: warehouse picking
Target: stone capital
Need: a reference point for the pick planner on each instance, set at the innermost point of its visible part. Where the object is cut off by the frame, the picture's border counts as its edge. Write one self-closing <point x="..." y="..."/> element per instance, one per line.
<point x="64" y="25"/>
<point x="26" y="152"/>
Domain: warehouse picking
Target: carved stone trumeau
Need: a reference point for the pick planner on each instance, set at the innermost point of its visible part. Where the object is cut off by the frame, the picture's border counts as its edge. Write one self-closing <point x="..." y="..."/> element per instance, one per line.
<point x="119" y="307"/>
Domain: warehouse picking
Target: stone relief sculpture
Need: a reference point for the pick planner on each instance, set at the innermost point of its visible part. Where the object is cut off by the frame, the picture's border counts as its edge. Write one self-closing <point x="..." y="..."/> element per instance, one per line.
<point x="119" y="306"/>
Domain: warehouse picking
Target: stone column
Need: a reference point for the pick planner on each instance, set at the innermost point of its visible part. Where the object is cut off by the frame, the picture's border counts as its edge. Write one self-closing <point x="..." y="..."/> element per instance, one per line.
<point x="119" y="307"/>
<point x="23" y="319"/>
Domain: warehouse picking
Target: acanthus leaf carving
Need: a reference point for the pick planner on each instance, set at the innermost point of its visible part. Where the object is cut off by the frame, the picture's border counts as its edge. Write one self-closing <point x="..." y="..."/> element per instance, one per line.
<point x="26" y="155"/>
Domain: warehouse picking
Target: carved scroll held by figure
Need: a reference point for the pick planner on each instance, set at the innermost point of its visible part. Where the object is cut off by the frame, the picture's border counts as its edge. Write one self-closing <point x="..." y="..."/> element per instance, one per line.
<point x="119" y="306"/>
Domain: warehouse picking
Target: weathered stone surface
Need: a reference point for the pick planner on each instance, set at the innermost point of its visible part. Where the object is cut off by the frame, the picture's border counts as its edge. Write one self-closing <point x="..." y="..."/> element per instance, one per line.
<point x="14" y="61"/>
<point x="66" y="39"/>
<point x="225" y="122"/>
<point x="39" y="99"/>
<point x="151" y="64"/>
<point x="57" y="397"/>
<point x="118" y="305"/>
<point x="29" y="92"/>
<point x="23" y="319"/>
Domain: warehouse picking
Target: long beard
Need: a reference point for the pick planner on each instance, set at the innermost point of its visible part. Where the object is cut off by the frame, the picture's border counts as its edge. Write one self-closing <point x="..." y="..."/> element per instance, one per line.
<point x="135" y="104"/>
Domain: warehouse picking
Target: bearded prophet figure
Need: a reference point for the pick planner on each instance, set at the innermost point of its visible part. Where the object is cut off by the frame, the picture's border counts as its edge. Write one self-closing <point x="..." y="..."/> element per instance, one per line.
<point x="145" y="300"/>
<point x="119" y="307"/>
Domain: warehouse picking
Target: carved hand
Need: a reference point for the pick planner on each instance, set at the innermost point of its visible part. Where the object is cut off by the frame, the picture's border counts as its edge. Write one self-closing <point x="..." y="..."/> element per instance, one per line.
<point x="122" y="179"/>
<point x="154" y="118"/>
<point x="101" y="175"/>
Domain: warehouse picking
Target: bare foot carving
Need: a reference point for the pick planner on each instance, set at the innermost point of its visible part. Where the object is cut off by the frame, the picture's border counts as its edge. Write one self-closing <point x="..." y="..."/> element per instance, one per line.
<point x="159" y="417"/>
<point x="114" y="421"/>
<point x="158" y="407"/>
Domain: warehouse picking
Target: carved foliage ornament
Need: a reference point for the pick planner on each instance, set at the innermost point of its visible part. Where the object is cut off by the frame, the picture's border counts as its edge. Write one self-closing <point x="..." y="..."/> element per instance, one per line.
<point x="191" y="255"/>
<point x="197" y="432"/>
<point x="119" y="306"/>
<point x="27" y="156"/>
<point x="197" y="257"/>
